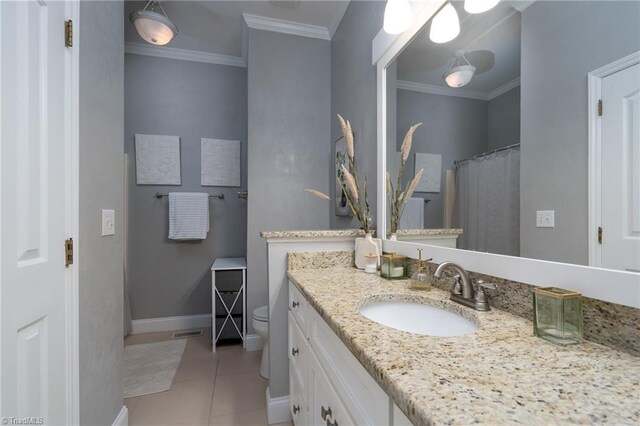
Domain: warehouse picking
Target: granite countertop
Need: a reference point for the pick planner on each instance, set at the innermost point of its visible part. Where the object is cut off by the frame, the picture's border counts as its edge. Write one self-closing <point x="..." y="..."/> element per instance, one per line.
<point x="500" y="374"/>
<point x="314" y="234"/>
<point x="428" y="231"/>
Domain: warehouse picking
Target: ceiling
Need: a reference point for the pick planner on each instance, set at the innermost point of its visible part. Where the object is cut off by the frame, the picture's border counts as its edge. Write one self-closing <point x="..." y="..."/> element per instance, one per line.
<point x="216" y="26"/>
<point x="492" y="43"/>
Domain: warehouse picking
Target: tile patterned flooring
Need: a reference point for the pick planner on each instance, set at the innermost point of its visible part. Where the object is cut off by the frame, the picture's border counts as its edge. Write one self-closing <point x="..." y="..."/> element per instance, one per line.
<point x="217" y="389"/>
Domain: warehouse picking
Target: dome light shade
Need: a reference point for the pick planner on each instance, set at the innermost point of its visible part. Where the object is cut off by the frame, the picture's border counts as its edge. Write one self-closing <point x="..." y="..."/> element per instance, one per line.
<point x="479" y="6"/>
<point x="154" y="27"/>
<point x="398" y="16"/>
<point x="460" y="71"/>
<point x="445" y="25"/>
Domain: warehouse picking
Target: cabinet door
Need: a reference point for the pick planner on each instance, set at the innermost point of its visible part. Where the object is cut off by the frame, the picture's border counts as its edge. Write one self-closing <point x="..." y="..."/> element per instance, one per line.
<point x="299" y="409"/>
<point x="325" y="408"/>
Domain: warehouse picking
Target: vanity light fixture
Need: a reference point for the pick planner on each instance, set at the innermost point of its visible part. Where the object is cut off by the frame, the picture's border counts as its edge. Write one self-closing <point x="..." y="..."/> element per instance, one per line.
<point x="154" y="27"/>
<point x="398" y="16"/>
<point x="460" y="71"/>
<point x="479" y="6"/>
<point x="445" y="25"/>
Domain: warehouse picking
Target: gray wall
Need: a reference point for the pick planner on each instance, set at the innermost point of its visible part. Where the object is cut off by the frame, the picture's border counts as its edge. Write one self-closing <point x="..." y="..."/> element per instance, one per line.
<point x="101" y="187"/>
<point x="452" y="126"/>
<point x="353" y="92"/>
<point x="504" y="120"/>
<point x="561" y="43"/>
<point x="289" y="146"/>
<point x="191" y="100"/>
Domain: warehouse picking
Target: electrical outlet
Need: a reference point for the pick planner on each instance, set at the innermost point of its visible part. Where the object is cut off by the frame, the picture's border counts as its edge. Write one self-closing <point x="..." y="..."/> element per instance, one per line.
<point x="545" y="219"/>
<point x="108" y="222"/>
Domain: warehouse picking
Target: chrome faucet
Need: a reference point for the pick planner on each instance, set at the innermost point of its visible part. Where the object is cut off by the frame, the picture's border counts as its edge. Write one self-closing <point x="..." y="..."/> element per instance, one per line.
<point x="463" y="291"/>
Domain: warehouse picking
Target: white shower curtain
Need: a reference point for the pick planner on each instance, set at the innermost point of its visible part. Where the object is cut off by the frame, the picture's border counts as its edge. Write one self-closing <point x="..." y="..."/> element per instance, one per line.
<point x="487" y="203"/>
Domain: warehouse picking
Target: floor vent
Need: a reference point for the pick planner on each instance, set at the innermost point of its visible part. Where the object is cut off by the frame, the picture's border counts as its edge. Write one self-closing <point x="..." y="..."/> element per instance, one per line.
<point x="190" y="333"/>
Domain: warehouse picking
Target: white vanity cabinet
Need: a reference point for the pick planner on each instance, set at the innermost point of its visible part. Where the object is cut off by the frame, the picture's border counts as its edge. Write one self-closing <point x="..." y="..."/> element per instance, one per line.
<point x="327" y="384"/>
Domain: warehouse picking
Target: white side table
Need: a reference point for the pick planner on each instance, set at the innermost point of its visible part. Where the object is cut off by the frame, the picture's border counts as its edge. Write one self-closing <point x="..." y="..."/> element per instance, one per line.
<point x="228" y="264"/>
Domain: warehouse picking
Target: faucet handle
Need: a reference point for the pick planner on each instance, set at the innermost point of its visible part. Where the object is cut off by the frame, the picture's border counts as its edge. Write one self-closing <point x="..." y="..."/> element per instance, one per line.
<point x="482" y="286"/>
<point x="457" y="287"/>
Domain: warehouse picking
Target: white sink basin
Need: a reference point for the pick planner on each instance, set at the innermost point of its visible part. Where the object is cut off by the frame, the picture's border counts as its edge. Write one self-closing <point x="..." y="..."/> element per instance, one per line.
<point x="418" y="318"/>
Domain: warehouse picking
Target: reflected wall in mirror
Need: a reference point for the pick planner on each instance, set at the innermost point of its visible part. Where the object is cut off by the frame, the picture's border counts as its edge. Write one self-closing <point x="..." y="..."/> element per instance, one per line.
<point x="509" y="122"/>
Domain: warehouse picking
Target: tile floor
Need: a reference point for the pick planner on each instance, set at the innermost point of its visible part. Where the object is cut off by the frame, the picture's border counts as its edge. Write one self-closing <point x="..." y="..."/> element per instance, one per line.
<point x="218" y="389"/>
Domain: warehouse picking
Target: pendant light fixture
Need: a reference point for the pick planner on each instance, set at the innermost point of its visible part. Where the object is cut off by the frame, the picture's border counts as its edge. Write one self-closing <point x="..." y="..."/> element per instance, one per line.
<point x="479" y="6"/>
<point x="445" y="25"/>
<point x="460" y="71"/>
<point x="398" y="16"/>
<point x="154" y="27"/>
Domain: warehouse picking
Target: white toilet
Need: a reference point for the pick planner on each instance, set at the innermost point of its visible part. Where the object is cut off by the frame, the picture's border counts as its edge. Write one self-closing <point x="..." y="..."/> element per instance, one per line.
<point x="261" y="326"/>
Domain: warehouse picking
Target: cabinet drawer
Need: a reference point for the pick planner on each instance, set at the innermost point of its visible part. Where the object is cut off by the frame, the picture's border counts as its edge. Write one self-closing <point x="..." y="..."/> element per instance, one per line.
<point x="367" y="402"/>
<point x="298" y="307"/>
<point x="298" y="354"/>
<point x="298" y="407"/>
<point x="326" y="408"/>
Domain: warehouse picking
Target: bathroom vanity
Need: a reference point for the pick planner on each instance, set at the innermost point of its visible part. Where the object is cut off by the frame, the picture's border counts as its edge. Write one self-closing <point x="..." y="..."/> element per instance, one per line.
<point x="347" y="369"/>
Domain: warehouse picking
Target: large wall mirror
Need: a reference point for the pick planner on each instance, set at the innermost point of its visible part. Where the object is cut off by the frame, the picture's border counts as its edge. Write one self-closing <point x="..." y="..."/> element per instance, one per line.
<point x="517" y="150"/>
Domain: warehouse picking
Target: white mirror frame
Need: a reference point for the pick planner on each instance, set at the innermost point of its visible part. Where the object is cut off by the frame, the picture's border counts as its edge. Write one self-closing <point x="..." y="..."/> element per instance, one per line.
<point x="619" y="287"/>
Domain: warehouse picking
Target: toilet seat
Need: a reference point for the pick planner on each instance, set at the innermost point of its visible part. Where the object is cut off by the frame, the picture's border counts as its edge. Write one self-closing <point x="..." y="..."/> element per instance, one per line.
<point x="261" y="314"/>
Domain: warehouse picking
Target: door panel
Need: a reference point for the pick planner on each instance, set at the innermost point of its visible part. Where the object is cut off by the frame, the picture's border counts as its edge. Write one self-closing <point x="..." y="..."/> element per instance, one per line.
<point x="621" y="170"/>
<point x="33" y="216"/>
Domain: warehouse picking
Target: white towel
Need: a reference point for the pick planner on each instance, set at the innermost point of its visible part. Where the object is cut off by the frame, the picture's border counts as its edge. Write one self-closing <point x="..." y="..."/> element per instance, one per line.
<point x="188" y="215"/>
<point x="413" y="214"/>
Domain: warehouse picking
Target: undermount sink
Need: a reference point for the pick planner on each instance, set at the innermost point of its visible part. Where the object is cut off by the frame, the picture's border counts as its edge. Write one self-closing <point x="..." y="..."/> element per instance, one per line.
<point x="418" y="318"/>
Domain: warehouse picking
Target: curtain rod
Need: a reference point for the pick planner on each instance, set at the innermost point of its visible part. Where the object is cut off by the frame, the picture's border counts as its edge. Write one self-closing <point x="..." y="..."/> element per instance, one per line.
<point x="504" y="148"/>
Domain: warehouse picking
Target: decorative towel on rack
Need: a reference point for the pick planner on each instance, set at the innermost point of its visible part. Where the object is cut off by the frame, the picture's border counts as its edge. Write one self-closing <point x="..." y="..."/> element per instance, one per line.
<point x="188" y="215"/>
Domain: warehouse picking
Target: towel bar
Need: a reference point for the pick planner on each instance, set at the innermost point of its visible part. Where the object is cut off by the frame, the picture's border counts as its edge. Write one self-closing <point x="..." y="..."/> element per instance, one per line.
<point x="220" y="196"/>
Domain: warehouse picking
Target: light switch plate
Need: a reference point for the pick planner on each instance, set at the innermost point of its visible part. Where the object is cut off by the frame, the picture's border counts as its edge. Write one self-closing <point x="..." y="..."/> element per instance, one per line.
<point x="545" y="219"/>
<point x="108" y="222"/>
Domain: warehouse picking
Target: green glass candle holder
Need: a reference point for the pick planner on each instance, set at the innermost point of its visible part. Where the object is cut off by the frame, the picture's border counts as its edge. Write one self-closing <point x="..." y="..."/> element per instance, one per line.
<point x="393" y="266"/>
<point x="557" y="315"/>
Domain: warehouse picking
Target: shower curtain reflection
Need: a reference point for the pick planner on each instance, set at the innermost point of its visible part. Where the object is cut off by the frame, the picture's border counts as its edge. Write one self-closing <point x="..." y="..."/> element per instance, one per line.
<point x="487" y="202"/>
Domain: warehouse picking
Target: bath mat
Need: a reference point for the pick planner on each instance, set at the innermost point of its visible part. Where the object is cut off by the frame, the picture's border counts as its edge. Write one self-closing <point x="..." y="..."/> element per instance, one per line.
<point x="150" y="367"/>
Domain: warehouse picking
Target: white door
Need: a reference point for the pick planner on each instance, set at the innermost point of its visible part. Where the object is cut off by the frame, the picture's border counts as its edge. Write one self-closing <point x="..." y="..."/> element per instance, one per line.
<point x="621" y="170"/>
<point x="33" y="199"/>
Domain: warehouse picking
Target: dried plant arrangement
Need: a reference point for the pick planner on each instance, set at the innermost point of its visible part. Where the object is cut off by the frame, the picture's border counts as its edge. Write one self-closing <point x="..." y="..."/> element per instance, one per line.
<point x="347" y="178"/>
<point x="397" y="196"/>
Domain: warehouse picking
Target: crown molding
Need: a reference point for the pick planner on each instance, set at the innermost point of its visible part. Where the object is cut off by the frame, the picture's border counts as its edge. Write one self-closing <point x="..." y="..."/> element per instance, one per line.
<point x="521" y="5"/>
<point x="334" y="25"/>
<point x="440" y="90"/>
<point x="183" y="54"/>
<point x="286" y="27"/>
<point x="504" y="88"/>
<point x="458" y="93"/>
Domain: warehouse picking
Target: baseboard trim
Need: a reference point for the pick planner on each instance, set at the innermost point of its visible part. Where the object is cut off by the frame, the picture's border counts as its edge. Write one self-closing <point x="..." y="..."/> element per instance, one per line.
<point x="150" y="325"/>
<point x="278" y="409"/>
<point x="123" y="417"/>
<point x="253" y="343"/>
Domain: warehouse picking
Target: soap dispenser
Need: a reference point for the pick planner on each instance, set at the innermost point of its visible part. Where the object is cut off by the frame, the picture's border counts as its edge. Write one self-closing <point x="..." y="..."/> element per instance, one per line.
<point x="421" y="280"/>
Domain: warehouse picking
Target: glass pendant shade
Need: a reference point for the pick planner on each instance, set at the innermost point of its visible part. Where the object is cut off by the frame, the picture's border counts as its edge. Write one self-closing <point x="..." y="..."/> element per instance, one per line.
<point x="460" y="76"/>
<point x="460" y="71"/>
<point x="445" y="26"/>
<point x="398" y="16"/>
<point x="479" y="6"/>
<point x="153" y="27"/>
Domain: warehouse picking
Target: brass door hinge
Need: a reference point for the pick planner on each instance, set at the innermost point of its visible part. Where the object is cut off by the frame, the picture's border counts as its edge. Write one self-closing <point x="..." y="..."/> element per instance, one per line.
<point x="68" y="252"/>
<point x="68" y="33"/>
<point x="599" y="234"/>
<point x="599" y="107"/>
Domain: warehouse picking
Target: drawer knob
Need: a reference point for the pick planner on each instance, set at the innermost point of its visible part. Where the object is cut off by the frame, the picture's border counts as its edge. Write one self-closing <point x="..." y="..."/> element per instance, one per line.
<point x="335" y="423"/>
<point x="295" y="304"/>
<point x="296" y="409"/>
<point x="294" y="351"/>
<point x="324" y="413"/>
